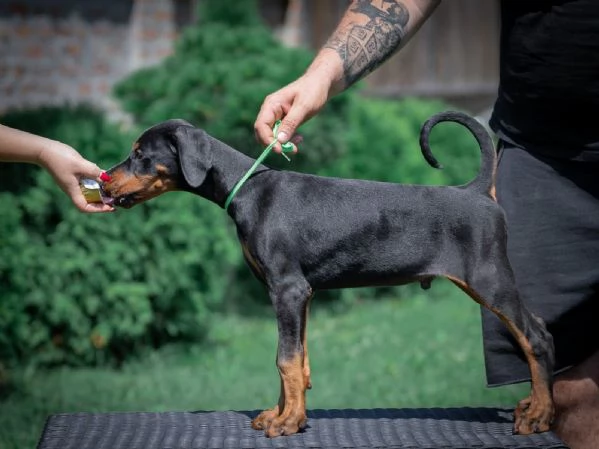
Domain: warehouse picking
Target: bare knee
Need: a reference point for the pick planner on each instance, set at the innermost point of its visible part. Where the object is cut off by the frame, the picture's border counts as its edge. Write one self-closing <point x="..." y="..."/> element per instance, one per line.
<point x="579" y="386"/>
<point x="576" y="396"/>
<point x="572" y="396"/>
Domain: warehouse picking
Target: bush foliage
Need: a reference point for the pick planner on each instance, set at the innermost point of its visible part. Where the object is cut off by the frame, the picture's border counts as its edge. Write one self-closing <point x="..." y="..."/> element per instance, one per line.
<point x="85" y="289"/>
<point x="218" y="77"/>
<point x="82" y="288"/>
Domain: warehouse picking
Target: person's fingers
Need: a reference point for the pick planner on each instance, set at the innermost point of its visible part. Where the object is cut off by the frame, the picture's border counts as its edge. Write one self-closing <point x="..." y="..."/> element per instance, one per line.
<point x="270" y="112"/>
<point x="293" y="105"/>
<point x="89" y="170"/>
<point x="92" y="171"/>
<point x="98" y="207"/>
<point x="296" y="116"/>
<point x="68" y="167"/>
<point x="296" y="140"/>
<point x="81" y="204"/>
<point x="73" y="190"/>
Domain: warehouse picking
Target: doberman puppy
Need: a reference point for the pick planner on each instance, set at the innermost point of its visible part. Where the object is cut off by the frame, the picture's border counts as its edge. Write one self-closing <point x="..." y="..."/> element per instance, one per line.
<point x="300" y="233"/>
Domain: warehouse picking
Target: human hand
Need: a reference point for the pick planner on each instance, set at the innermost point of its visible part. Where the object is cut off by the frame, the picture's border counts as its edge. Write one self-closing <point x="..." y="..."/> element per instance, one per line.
<point x="294" y="104"/>
<point x="67" y="167"/>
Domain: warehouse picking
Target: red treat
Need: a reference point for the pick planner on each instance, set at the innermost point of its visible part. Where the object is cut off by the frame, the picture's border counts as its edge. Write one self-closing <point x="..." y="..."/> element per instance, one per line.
<point x="105" y="177"/>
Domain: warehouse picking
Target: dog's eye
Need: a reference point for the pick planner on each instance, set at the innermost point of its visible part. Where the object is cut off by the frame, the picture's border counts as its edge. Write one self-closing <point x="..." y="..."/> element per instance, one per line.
<point x="137" y="154"/>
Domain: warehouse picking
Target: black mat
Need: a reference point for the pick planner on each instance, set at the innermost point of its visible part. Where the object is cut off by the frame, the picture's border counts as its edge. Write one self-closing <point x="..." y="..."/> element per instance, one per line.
<point x="448" y="428"/>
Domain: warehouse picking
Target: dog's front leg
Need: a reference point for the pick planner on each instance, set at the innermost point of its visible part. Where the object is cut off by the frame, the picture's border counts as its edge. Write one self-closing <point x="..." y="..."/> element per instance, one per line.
<point x="289" y="415"/>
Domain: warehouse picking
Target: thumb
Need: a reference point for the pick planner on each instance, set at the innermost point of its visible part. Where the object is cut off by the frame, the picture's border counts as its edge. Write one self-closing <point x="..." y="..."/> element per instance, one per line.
<point x="90" y="170"/>
<point x="294" y="118"/>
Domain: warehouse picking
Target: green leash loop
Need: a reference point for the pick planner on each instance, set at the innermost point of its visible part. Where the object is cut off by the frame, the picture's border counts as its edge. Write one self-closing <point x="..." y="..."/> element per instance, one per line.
<point x="287" y="148"/>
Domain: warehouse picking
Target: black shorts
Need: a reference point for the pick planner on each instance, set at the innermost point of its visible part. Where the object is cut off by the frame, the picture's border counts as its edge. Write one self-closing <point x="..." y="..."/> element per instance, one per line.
<point x="552" y="208"/>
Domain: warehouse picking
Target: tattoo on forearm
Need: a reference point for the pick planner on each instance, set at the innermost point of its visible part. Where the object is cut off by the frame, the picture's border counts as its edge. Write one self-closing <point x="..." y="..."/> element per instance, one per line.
<point x="363" y="48"/>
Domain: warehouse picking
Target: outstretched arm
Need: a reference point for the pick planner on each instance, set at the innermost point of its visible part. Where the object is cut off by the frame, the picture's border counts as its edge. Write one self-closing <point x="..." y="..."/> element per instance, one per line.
<point x="369" y="33"/>
<point x="64" y="163"/>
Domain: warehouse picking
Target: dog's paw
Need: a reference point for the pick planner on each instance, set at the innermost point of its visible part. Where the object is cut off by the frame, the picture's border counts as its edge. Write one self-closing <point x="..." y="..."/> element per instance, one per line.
<point x="286" y="425"/>
<point x="531" y="416"/>
<point x="263" y="420"/>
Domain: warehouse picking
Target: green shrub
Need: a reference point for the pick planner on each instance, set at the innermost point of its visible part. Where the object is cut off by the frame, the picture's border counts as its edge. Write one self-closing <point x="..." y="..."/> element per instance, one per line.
<point x="218" y="77"/>
<point x="83" y="289"/>
<point x="383" y="144"/>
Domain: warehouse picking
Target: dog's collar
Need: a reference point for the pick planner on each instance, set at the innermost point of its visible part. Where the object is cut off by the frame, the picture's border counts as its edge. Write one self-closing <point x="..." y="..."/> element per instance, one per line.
<point x="287" y="148"/>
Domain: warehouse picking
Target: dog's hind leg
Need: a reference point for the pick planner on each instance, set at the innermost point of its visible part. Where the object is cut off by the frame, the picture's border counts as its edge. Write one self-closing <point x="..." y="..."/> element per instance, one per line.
<point x="497" y="292"/>
<point x="291" y="302"/>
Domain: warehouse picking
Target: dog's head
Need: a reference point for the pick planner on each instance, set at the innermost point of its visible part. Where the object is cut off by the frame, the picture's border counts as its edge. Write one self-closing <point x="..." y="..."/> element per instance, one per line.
<point x="172" y="155"/>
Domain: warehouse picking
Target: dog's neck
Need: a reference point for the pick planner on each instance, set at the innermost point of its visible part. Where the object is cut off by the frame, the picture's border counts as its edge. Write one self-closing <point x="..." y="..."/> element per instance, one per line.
<point x="227" y="168"/>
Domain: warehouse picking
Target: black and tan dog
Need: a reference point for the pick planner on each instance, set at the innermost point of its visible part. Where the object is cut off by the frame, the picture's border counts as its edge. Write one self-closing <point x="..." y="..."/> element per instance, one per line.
<point x="300" y="233"/>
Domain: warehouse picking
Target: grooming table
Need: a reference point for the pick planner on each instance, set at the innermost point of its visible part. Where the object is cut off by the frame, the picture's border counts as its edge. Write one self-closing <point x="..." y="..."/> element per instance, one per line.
<point x="435" y="428"/>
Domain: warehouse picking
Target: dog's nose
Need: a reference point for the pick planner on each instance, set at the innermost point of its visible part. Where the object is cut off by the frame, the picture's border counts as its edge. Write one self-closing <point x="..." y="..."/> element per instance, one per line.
<point x="110" y="178"/>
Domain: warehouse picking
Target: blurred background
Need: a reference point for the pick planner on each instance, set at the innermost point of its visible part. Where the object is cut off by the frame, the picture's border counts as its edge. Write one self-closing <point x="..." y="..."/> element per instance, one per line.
<point x="153" y="308"/>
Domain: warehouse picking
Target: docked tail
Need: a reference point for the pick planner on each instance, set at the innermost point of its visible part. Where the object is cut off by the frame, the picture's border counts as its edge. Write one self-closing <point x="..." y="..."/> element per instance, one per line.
<point x="485" y="179"/>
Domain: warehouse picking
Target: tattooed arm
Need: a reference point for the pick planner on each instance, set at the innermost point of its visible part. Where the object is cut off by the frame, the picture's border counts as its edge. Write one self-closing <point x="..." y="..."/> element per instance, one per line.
<point x="369" y="33"/>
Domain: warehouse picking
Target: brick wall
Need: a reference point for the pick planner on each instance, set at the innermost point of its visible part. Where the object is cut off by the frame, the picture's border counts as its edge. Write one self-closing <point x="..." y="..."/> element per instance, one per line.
<point x="69" y="51"/>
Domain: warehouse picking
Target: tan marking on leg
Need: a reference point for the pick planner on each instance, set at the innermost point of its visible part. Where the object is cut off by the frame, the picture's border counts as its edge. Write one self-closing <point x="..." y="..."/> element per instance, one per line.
<point x="289" y="415"/>
<point x="292" y="403"/>
<point x="492" y="191"/>
<point x="534" y="413"/>
<point x="252" y="261"/>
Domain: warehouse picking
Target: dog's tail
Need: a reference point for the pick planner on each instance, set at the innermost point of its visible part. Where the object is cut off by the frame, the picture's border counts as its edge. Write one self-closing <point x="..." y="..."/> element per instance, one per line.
<point x="485" y="180"/>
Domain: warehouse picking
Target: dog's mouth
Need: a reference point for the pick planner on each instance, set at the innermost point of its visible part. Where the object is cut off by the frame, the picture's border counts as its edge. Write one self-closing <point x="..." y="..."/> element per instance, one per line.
<point x="125" y="201"/>
<point x="115" y="198"/>
<point x="131" y="191"/>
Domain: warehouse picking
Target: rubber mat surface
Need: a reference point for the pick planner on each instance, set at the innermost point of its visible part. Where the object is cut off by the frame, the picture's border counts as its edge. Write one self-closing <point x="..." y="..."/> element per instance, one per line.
<point x="435" y="428"/>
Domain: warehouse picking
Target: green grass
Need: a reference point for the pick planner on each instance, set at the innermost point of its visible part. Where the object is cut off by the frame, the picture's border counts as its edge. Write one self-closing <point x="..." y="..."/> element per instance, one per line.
<point x="418" y="352"/>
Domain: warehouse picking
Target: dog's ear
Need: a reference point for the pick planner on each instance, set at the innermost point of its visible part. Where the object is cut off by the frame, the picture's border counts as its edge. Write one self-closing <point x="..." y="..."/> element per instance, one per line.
<point x="195" y="153"/>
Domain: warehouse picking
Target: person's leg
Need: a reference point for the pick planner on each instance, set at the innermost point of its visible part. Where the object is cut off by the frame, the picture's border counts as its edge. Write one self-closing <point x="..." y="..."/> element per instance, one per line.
<point x="576" y="395"/>
<point x="552" y="209"/>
